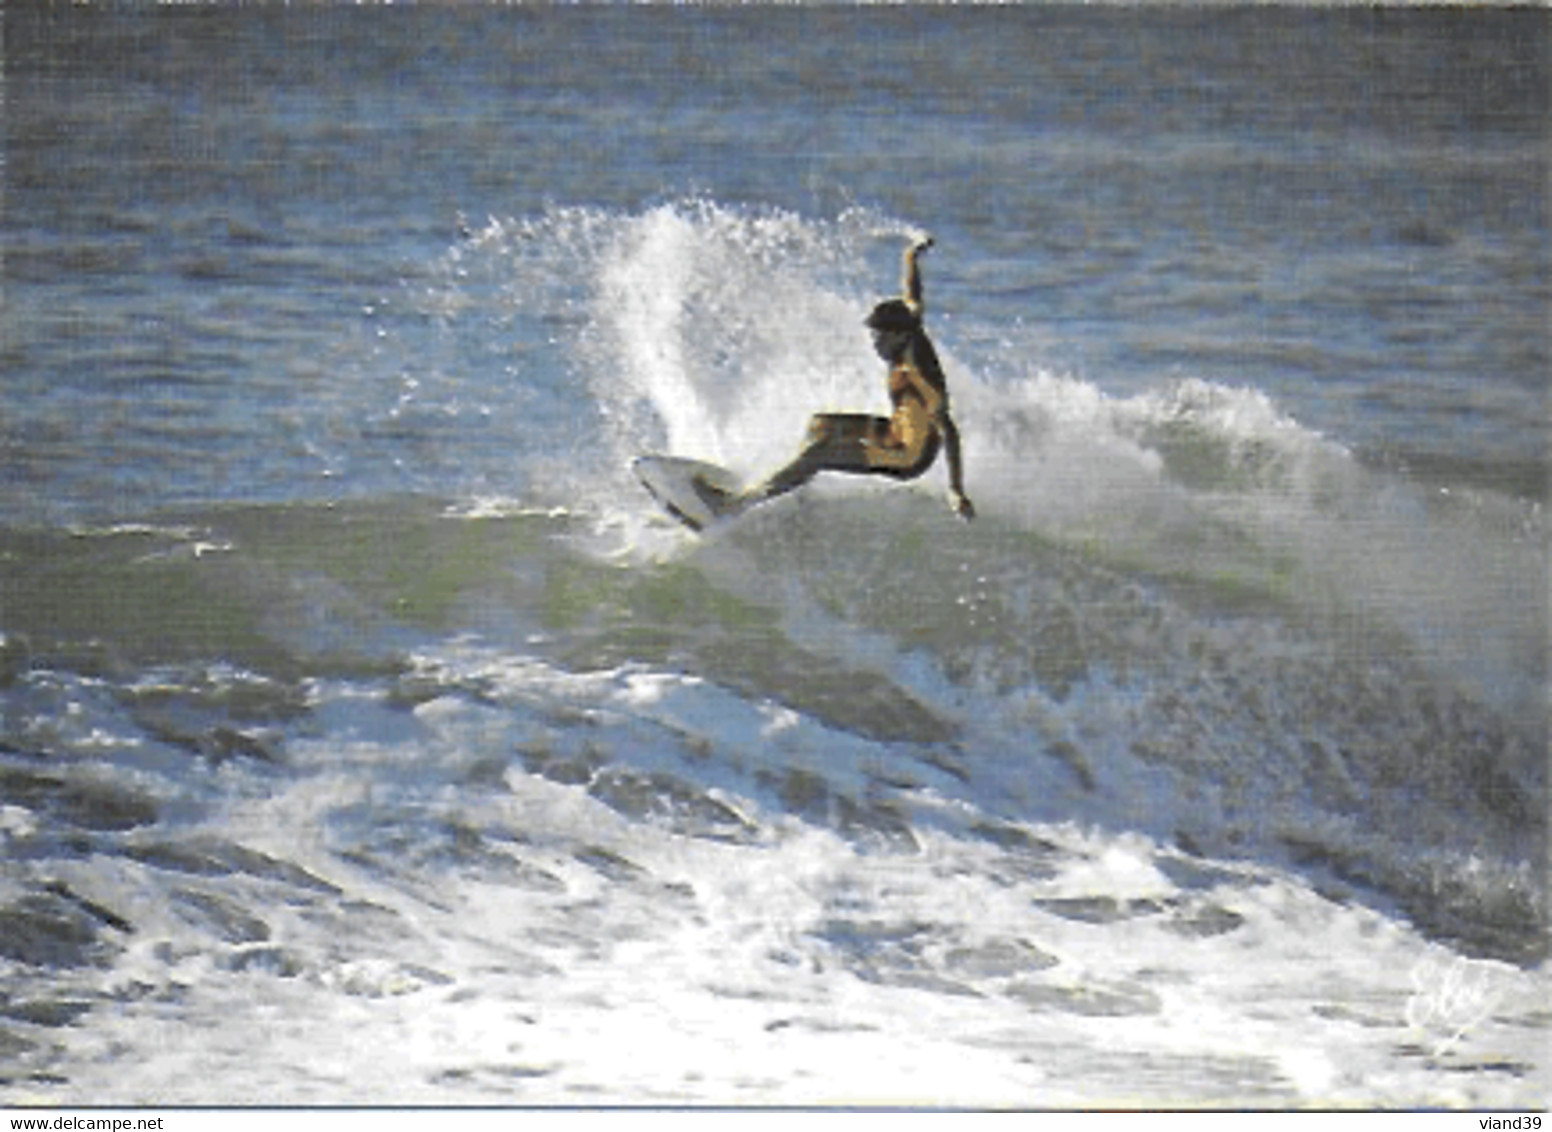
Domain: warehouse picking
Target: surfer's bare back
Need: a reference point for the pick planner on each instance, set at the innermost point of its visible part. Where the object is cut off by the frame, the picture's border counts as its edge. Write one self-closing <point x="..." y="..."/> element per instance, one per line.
<point x="904" y="444"/>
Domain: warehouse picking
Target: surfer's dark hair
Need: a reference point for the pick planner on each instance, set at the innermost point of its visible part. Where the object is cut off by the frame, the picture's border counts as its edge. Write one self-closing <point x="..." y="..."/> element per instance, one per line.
<point x="893" y="315"/>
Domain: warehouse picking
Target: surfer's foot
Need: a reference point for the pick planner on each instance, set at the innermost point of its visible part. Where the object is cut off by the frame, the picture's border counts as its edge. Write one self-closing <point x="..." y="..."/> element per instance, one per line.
<point x="717" y="501"/>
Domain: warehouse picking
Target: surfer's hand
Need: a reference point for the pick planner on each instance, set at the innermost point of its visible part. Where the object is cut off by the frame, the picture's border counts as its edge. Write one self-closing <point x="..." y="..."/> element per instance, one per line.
<point x="961" y="504"/>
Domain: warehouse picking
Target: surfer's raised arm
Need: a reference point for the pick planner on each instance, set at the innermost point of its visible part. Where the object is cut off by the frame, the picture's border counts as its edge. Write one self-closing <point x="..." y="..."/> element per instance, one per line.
<point x="912" y="284"/>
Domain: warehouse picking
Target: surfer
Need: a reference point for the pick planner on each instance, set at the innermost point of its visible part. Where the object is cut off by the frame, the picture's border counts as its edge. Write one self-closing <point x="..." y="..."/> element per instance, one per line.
<point x="902" y="445"/>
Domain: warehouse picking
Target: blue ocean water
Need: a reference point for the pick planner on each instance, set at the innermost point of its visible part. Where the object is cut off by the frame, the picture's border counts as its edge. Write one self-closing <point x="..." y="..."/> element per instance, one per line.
<point x="346" y="668"/>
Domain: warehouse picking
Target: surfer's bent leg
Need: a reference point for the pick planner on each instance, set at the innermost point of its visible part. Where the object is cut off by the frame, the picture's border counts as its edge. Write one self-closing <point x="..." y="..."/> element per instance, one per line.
<point x="834" y="444"/>
<point x="909" y="445"/>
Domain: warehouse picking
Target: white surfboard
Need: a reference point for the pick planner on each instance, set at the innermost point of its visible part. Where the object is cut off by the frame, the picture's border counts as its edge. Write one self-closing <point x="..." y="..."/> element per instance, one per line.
<point x="698" y="494"/>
